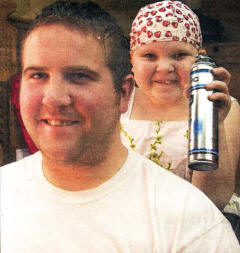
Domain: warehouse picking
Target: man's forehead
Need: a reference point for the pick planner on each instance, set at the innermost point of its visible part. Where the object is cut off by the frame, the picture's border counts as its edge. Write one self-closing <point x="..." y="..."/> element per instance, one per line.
<point x="56" y="31"/>
<point x="55" y="47"/>
<point x="59" y="39"/>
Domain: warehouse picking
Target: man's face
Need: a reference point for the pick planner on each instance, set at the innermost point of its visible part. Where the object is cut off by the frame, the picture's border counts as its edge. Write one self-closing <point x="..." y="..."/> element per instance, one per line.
<point x="68" y="102"/>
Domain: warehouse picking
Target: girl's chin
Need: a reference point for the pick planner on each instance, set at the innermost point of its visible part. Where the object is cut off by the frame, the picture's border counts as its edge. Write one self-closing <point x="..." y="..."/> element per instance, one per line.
<point x="166" y="99"/>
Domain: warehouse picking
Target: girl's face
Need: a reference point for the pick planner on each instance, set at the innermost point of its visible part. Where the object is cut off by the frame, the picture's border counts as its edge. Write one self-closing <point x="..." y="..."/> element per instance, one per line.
<point x="161" y="70"/>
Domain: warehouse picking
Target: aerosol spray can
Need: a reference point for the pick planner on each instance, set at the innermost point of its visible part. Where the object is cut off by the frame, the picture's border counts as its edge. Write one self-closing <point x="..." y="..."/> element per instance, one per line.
<point x="203" y="120"/>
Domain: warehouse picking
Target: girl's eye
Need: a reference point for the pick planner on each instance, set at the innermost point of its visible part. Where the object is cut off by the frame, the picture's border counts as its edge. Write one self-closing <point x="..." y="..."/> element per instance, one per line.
<point x="179" y="56"/>
<point x="149" y="56"/>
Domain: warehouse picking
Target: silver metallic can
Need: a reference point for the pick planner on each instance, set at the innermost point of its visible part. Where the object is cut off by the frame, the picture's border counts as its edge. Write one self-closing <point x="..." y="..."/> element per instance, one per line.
<point x="203" y="120"/>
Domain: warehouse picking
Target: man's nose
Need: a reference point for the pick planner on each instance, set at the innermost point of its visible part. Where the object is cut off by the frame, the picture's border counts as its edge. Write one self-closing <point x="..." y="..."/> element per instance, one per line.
<point x="57" y="93"/>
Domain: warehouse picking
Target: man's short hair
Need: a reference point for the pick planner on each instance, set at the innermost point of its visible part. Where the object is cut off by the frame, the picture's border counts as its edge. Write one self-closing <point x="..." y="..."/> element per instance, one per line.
<point x="89" y="17"/>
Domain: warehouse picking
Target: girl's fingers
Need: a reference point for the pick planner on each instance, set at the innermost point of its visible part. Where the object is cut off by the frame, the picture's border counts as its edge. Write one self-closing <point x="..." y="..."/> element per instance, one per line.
<point x="222" y="74"/>
<point x="223" y="99"/>
<point x="223" y="103"/>
<point x="218" y="86"/>
<point x="221" y="93"/>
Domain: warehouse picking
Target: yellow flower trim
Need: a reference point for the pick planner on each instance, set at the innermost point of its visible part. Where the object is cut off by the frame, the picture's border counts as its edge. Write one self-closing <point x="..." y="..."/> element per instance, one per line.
<point x="153" y="155"/>
<point x="186" y="134"/>
<point x="129" y="137"/>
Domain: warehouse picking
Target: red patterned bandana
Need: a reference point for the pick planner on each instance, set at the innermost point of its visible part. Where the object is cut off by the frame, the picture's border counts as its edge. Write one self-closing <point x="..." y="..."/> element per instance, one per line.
<point x="165" y="21"/>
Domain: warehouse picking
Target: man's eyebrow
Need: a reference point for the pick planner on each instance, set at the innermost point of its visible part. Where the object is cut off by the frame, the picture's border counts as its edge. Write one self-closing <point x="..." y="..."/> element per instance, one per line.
<point x="33" y="68"/>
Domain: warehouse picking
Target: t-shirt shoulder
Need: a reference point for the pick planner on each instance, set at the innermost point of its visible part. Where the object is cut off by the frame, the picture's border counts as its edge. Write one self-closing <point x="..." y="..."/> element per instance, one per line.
<point x="26" y="164"/>
<point x="168" y="186"/>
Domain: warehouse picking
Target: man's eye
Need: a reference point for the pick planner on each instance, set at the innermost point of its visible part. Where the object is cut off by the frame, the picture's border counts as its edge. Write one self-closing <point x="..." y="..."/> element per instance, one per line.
<point x="38" y="76"/>
<point x="78" y="77"/>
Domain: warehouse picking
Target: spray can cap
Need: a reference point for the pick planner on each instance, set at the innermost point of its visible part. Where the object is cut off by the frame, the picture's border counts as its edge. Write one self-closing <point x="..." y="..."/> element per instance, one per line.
<point x="202" y="57"/>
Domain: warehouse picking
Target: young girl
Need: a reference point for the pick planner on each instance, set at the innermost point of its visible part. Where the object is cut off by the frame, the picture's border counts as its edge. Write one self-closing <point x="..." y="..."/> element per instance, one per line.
<point x="165" y="38"/>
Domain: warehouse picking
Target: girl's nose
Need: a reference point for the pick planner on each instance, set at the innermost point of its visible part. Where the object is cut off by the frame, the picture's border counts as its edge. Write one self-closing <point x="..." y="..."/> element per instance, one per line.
<point x="165" y="65"/>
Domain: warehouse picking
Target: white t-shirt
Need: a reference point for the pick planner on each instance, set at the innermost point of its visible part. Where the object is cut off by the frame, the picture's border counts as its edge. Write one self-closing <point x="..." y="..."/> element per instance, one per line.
<point x="143" y="208"/>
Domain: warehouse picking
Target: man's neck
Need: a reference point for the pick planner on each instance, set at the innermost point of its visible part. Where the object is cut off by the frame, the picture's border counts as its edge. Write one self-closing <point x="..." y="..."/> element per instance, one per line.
<point x="77" y="177"/>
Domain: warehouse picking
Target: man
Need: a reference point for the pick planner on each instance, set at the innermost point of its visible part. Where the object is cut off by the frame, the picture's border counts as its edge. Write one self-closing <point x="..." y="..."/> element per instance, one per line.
<point x="84" y="192"/>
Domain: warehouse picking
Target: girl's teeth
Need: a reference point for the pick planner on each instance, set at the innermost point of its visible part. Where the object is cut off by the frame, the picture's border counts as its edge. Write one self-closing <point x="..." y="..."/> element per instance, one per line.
<point x="166" y="82"/>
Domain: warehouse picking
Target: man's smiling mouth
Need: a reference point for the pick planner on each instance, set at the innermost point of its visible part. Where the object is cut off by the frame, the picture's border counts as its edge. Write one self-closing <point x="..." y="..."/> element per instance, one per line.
<point x="60" y="122"/>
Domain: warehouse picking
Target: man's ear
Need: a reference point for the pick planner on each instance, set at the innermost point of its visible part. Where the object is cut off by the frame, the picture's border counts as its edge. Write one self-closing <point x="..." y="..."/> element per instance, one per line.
<point x="125" y="92"/>
<point x="131" y="60"/>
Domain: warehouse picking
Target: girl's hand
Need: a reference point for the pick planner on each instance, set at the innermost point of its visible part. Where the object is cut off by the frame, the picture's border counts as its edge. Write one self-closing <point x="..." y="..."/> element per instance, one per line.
<point x="220" y="85"/>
